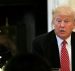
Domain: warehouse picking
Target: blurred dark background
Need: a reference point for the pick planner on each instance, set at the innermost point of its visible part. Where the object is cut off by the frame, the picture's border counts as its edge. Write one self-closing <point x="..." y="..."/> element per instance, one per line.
<point x="23" y="20"/>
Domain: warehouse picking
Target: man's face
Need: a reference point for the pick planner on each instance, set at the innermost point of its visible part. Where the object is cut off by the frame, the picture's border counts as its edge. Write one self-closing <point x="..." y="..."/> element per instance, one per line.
<point x="63" y="25"/>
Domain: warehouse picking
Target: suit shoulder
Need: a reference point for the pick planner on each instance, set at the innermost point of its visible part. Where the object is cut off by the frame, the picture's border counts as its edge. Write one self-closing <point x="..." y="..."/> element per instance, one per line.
<point x="44" y="36"/>
<point x="41" y="37"/>
<point x="73" y="34"/>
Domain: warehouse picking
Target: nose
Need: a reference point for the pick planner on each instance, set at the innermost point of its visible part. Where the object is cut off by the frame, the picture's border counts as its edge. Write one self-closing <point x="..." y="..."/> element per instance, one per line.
<point x="62" y="24"/>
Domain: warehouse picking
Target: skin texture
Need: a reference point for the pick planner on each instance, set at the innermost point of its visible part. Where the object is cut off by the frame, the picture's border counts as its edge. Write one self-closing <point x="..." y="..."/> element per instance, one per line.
<point x="63" y="21"/>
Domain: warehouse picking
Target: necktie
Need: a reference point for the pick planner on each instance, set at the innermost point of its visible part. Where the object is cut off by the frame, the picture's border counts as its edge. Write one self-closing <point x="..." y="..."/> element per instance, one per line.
<point x="64" y="58"/>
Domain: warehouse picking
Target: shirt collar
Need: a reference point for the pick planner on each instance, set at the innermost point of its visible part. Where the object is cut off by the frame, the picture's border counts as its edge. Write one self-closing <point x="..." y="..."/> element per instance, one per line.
<point x="68" y="40"/>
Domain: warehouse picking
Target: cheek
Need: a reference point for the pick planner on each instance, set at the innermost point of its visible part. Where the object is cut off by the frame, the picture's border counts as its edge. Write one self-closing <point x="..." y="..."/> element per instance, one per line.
<point x="56" y="26"/>
<point x="70" y="26"/>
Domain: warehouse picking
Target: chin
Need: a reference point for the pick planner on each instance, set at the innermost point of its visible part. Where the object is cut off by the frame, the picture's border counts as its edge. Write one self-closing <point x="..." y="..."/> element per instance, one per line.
<point x="63" y="37"/>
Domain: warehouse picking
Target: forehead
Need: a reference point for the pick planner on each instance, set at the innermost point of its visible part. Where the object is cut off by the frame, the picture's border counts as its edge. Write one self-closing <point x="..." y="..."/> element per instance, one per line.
<point x="63" y="17"/>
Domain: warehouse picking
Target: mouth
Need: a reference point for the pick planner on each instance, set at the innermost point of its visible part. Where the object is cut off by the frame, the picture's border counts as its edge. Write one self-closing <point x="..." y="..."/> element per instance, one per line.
<point x="62" y="31"/>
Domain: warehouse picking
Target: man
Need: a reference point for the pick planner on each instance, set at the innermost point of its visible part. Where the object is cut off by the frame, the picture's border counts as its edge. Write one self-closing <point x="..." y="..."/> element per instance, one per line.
<point x="49" y="45"/>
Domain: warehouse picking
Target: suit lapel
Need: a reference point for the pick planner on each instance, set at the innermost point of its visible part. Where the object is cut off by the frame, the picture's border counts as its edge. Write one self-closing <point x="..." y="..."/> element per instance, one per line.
<point x="53" y="50"/>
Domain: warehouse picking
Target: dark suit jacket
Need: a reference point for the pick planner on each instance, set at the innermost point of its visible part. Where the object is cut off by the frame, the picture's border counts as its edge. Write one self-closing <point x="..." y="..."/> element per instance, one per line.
<point x="47" y="47"/>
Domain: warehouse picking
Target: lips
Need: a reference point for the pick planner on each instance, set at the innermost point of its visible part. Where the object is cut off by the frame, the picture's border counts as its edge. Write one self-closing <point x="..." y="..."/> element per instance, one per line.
<point x="62" y="30"/>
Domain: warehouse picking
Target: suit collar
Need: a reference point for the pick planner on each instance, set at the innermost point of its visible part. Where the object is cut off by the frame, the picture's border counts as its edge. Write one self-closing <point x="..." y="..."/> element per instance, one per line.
<point x="53" y="49"/>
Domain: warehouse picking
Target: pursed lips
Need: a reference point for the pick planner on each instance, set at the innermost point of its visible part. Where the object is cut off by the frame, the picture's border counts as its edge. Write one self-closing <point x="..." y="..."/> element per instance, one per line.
<point x="62" y="31"/>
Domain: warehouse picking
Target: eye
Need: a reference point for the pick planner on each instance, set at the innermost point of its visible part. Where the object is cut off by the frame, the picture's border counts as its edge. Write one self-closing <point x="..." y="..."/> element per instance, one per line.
<point x="66" y="21"/>
<point x="59" y="21"/>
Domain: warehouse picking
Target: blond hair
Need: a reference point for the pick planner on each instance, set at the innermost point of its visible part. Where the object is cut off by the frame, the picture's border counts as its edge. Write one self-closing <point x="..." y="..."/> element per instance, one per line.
<point x="66" y="10"/>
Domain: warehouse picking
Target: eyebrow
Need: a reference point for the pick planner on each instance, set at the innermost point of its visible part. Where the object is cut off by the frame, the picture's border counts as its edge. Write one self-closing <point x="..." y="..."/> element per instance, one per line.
<point x="58" y="18"/>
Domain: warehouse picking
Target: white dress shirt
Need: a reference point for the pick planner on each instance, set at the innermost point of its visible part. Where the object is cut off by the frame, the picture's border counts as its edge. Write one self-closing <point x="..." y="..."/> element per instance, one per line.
<point x="68" y="47"/>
